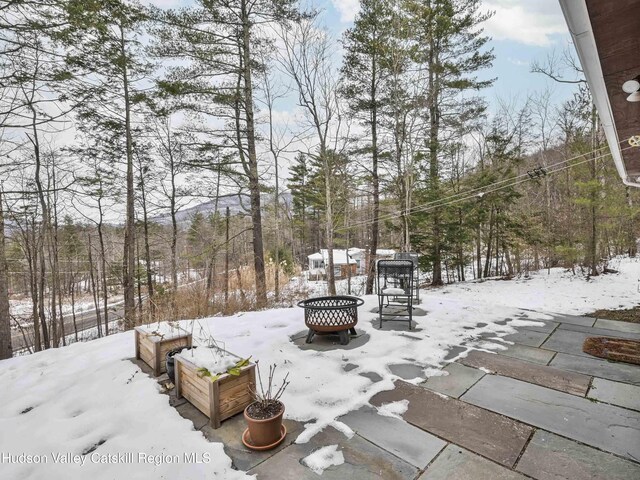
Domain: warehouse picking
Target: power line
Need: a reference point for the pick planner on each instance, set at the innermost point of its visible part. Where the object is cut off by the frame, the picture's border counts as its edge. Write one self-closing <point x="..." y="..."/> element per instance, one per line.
<point x="481" y="191"/>
<point x="524" y="178"/>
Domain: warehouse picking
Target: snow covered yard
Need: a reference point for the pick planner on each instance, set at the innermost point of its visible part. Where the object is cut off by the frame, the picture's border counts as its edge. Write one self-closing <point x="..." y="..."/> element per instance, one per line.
<point x="89" y="404"/>
<point x="559" y="291"/>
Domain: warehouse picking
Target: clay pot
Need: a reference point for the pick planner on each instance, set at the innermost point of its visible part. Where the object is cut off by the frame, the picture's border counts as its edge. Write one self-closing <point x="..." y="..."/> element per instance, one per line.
<point x="266" y="432"/>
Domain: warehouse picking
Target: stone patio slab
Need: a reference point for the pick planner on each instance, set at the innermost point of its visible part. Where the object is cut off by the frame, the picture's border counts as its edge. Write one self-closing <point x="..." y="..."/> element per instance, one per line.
<point x="609" y="428"/>
<point x="373" y="376"/>
<point x="459" y="380"/>
<point x="527" y="337"/>
<point x="362" y="461"/>
<point x="550" y="457"/>
<point x="230" y="435"/>
<point x="576" y="320"/>
<point x="395" y="435"/>
<point x="601" y="332"/>
<point x="188" y="411"/>
<point x="408" y="371"/>
<point x="621" y="394"/>
<point x="567" y="341"/>
<point x="396" y="324"/>
<point x="570" y="382"/>
<point x="460" y="464"/>
<point x="548" y="326"/>
<point x="622" y="372"/>
<point x="324" y="343"/>
<point x="619" y="326"/>
<point x="481" y="431"/>
<point x="454" y="351"/>
<point x="530" y="354"/>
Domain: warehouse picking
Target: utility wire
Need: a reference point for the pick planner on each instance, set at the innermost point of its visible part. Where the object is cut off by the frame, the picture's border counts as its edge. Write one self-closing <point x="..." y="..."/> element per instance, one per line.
<point x="481" y="191"/>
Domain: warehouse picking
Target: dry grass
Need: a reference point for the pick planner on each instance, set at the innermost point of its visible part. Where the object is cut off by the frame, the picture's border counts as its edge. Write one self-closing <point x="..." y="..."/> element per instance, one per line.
<point x="197" y="301"/>
<point x="631" y="315"/>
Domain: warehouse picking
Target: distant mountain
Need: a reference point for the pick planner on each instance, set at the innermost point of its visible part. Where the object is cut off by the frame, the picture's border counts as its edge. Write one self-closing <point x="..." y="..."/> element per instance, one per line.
<point x="237" y="203"/>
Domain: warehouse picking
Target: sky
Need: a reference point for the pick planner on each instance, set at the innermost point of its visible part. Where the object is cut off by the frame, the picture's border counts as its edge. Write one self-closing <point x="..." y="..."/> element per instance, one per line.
<point x="522" y="31"/>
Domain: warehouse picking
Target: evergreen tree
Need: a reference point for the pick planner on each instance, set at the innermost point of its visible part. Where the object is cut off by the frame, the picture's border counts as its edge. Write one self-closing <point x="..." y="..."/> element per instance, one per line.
<point x="221" y="42"/>
<point x="365" y="66"/>
<point x="449" y="44"/>
<point x="302" y="199"/>
<point x="104" y="54"/>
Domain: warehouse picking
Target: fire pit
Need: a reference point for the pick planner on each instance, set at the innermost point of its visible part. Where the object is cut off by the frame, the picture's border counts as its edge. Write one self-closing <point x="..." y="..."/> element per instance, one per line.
<point x="338" y="314"/>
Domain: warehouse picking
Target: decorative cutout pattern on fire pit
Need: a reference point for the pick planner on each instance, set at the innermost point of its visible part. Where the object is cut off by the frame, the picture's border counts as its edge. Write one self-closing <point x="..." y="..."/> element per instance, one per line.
<point x="331" y="314"/>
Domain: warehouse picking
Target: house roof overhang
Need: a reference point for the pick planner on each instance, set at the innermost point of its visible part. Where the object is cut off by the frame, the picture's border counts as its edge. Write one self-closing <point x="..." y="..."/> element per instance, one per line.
<point x="606" y="35"/>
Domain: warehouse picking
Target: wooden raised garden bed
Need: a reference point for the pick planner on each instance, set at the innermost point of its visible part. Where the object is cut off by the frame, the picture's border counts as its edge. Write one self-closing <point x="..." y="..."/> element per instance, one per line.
<point x="152" y="347"/>
<point x="218" y="398"/>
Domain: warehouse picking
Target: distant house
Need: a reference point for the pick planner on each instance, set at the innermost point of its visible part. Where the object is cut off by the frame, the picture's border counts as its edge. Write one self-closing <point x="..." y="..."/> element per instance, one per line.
<point x="360" y="255"/>
<point x="342" y="264"/>
<point x="354" y="259"/>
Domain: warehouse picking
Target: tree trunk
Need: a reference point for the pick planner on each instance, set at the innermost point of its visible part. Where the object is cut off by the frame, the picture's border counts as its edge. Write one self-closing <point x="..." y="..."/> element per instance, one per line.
<point x="6" y="349"/>
<point x="375" y="181"/>
<point x="94" y="291"/>
<point x="174" y="222"/>
<point x="128" y="278"/>
<point x="147" y="248"/>
<point x="329" y="268"/>
<point x="226" y="261"/>
<point x="487" y="262"/>
<point x="479" y="251"/>
<point x="254" y="180"/>
<point x="434" y="180"/>
<point x="103" y="267"/>
<point x="73" y="307"/>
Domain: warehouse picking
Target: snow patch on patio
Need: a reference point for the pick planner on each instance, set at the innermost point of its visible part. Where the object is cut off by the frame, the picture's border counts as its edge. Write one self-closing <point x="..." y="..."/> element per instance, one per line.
<point x="394" y="409"/>
<point x="323" y="458"/>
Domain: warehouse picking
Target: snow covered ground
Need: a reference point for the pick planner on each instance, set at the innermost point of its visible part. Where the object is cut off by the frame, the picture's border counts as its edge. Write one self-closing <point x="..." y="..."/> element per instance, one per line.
<point x="559" y="291"/>
<point x="88" y="401"/>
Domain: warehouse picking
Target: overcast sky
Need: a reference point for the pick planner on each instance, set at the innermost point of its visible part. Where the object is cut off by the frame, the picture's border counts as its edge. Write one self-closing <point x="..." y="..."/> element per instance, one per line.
<point x="522" y="31"/>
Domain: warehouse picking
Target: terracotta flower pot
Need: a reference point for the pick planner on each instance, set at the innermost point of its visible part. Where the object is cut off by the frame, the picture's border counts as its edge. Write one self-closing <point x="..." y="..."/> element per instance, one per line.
<point x="265" y="432"/>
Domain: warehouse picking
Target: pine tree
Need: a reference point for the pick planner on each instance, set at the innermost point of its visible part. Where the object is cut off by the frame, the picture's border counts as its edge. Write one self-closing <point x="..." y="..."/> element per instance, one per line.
<point x="301" y="198"/>
<point x="449" y="44"/>
<point x="365" y="66"/>
<point x="221" y="40"/>
<point x="104" y="56"/>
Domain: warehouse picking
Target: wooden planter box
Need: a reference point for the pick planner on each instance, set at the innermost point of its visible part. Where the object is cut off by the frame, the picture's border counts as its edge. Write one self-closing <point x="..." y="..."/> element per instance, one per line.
<point x="152" y="348"/>
<point x="218" y="399"/>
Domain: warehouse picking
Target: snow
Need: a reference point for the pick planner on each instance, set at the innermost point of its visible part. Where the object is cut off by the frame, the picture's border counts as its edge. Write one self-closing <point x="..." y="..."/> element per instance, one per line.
<point x="324" y="458"/>
<point x="560" y="291"/>
<point x="90" y="395"/>
<point x="394" y="409"/>
<point x="165" y="330"/>
<point x="214" y="359"/>
<point x="393" y="291"/>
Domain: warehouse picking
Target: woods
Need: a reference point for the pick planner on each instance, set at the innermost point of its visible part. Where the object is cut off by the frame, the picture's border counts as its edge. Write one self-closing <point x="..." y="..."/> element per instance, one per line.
<point x="185" y="162"/>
